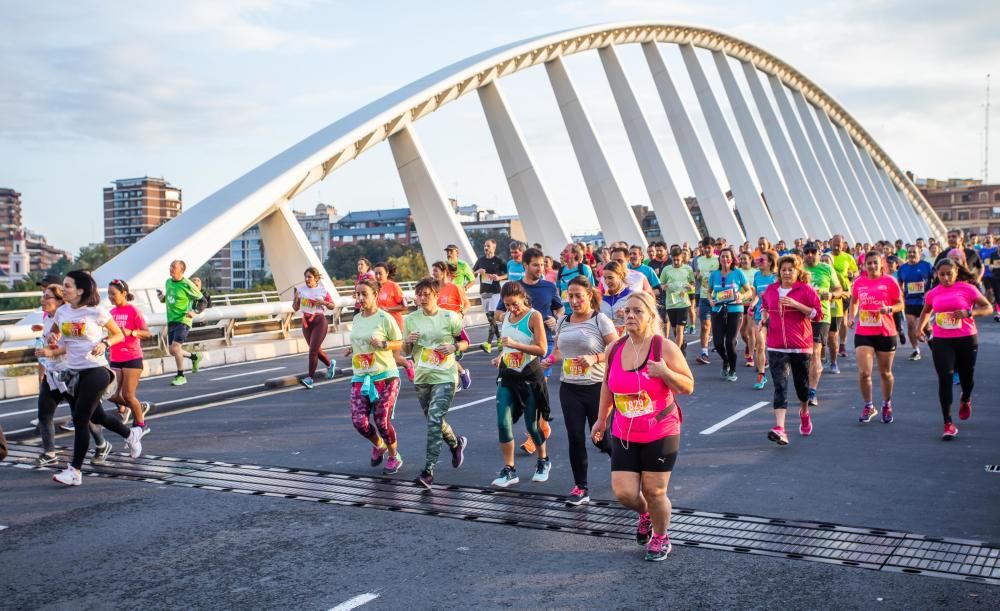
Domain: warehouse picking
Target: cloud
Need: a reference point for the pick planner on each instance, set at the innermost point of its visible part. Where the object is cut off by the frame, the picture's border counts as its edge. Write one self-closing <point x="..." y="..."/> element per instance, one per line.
<point x="113" y="75"/>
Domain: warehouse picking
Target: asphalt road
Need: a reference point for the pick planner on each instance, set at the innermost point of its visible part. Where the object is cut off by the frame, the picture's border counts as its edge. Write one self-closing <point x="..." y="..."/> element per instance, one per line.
<point x="160" y="547"/>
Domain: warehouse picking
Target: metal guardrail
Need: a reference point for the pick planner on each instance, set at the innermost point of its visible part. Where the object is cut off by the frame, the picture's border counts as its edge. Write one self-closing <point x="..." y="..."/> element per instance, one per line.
<point x="231" y="316"/>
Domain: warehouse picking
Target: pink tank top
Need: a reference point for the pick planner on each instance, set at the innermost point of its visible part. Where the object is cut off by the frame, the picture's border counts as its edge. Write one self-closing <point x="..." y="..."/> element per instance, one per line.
<point x="642" y="405"/>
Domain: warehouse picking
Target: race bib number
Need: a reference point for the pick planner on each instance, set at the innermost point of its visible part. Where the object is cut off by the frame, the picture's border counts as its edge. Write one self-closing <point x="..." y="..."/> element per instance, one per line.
<point x="947" y="320"/>
<point x="73" y="329"/>
<point x="574" y="369"/>
<point x="514" y="360"/>
<point x="725" y="295"/>
<point x="870" y="318"/>
<point x="305" y="302"/>
<point x="364" y="363"/>
<point x="633" y="405"/>
<point x="913" y="288"/>
<point x="565" y="296"/>
<point x="432" y="359"/>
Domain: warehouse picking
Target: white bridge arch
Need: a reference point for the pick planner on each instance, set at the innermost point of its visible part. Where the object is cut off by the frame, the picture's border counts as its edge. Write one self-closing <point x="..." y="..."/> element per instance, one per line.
<point x="829" y="179"/>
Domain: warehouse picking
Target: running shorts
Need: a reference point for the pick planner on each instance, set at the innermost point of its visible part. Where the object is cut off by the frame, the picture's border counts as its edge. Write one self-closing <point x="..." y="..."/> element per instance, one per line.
<point x="131" y="364"/>
<point x="655" y="456"/>
<point x="678" y="317"/>
<point x="704" y="310"/>
<point x="881" y="343"/>
<point x="820" y="332"/>
<point x="913" y="310"/>
<point x="835" y="322"/>
<point x="177" y="332"/>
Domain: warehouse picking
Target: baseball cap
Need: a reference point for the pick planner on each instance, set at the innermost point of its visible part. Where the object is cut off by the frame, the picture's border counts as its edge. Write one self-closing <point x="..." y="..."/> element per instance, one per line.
<point x="450" y="247"/>
<point x="49" y="279"/>
<point x="810" y="247"/>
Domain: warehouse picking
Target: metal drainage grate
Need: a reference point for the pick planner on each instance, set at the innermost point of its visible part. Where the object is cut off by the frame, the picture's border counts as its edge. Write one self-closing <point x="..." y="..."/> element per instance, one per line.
<point x="875" y="549"/>
<point x="993" y="468"/>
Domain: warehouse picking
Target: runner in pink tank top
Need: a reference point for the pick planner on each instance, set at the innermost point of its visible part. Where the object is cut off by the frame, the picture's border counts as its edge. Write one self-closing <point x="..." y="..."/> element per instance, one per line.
<point x="644" y="373"/>
<point x="952" y="306"/>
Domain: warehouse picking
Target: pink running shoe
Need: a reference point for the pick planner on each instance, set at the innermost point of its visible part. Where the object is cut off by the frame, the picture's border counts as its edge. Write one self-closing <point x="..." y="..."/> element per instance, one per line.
<point x="950" y="431"/>
<point x="778" y="436"/>
<point x="887" y="413"/>
<point x="868" y="413"/>
<point x="393" y="465"/>
<point x="806" y="426"/>
<point x="644" y="530"/>
<point x="378" y="453"/>
<point x="658" y="548"/>
<point x="965" y="410"/>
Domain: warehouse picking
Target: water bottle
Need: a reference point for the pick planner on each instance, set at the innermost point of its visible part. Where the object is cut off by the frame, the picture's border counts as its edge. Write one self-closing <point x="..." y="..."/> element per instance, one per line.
<point x="39" y="343"/>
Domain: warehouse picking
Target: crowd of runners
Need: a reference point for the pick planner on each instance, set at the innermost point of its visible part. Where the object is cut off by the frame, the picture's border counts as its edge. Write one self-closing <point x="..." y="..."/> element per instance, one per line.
<point x="613" y="324"/>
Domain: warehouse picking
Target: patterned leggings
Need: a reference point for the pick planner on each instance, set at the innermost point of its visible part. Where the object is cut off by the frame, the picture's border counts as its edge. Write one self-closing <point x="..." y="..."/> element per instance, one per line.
<point x="363" y="411"/>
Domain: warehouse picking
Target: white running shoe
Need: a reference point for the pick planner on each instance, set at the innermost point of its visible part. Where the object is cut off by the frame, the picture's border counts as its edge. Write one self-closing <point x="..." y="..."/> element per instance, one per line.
<point x="68" y="477"/>
<point x="134" y="442"/>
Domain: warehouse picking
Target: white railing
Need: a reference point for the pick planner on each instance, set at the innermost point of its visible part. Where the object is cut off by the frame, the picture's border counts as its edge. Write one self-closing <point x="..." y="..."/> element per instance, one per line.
<point x="226" y="314"/>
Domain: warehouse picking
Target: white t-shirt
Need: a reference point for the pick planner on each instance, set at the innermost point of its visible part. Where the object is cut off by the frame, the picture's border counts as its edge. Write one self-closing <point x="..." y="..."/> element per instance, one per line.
<point x="81" y="329"/>
<point x="634" y="281"/>
<point x="311" y="299"/>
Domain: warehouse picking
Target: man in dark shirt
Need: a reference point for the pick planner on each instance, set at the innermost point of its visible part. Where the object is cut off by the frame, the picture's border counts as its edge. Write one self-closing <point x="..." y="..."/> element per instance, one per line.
<point x="956" y="239"/>
<point x="544" y="294"/>
<point x="491" y="270"/>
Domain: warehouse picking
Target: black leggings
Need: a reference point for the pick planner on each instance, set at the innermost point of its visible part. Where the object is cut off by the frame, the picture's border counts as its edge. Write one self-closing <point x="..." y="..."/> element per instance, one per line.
<point x="580" y="404"/>
<point x="48" y="401"/>
<point x="954" y="355"/>
<point x="781" y="363"/>
<point x="86" y="406"/>
<point x="725" y="327"/>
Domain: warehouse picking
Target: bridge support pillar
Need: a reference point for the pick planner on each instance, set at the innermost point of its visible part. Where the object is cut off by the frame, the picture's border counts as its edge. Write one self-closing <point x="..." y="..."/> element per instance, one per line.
<point x="786" y="219"/>
<point x="288" y="251"/>
<point x="614" y="214"/>
<point x="541" y="224"/>
<point x="436" y="222"/>
<point x="715" y="209"/>
<point x="902" y="223"/>
<point x="841" y="198"/>
<point x="822" y="188"/>
<point x="870" y="211"/>
<point x="672" y="213"/>
<point x="814" y="222"/>
<point x="756" y="219"/>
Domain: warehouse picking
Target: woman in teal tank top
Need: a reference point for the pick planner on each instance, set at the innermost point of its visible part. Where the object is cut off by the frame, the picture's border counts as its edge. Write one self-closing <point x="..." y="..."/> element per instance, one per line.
<point x="521" y="388"/>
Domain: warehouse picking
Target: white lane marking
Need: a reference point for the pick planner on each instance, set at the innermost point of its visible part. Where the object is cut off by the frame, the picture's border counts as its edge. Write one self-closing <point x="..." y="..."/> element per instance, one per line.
<point x="25" y="411"/>
<point x="209" y="394"/>
<point x="354" y="603"/>
<point x="2" y="527"/>
<point x="248" y="373"/>
<point x="477" y="402"/>
<point x="733" y="418"/>
<point x="12" y="399"/>
<point x="214" y="367"/>
<point x="15" y="431"/>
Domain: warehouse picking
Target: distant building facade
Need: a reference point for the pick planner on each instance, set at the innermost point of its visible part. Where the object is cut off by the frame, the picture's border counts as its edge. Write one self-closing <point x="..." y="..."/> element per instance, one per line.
<point x="964" y="203"/>
<point x="135" y="207"/>
<point x="22" y="251"/>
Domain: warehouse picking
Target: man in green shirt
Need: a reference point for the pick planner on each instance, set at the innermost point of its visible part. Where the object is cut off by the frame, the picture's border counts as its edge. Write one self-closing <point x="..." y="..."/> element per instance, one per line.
<point x="464" y="276"/>
<point x="705" y="264"/>
<point x="677" y="282"/>
<point x="847" y="270"/>
<point x="433" y="336"/>
<point x="181" y="297"/>
<point x="825" y="281"/>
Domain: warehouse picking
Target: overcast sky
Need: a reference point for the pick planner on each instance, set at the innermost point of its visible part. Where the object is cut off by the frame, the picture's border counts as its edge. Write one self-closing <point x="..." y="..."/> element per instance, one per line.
<point x="202" y="92"/>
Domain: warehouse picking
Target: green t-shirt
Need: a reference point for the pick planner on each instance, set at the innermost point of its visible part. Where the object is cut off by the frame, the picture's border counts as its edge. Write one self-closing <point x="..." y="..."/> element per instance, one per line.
<point x="365" y="358"/>
<point x="430" y="366"/>
<point x="843" y="264"/>
<point x="706" y="265"/>
<point x="464" y="274"/>
<point x="181" y="295"/>
<point x="675" y="282"/>
<point x="824" y="280"/>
